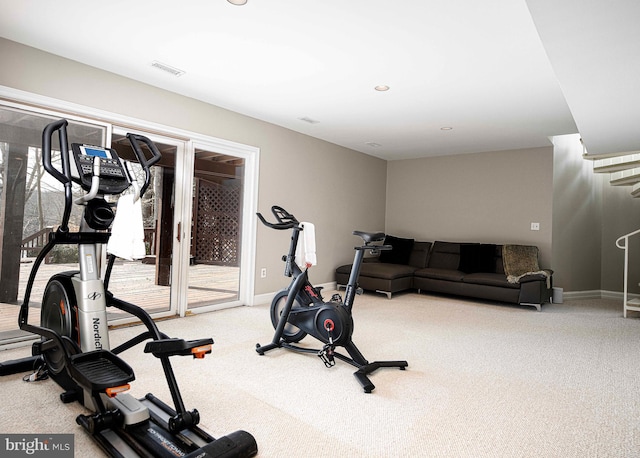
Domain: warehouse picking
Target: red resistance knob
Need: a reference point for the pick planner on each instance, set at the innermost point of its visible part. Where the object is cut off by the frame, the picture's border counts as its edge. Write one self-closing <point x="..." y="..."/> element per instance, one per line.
<point x="329" y="325"/>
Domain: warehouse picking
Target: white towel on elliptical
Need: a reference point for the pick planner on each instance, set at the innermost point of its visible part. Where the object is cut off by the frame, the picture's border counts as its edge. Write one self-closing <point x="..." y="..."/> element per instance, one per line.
<point x="127" y="233"/>
<point x="306" y="249"/>
<point x="138" y="250"/>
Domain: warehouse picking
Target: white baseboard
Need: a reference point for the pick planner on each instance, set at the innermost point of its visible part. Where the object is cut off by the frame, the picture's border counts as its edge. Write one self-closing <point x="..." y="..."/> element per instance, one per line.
<point x="266" y="298"/>
<point x="574" y="295"/>
<point x="597" y="294"/>
<point x="567" y="295"/>
<point x="263" y="298"/>
<point x="618" y="295"/>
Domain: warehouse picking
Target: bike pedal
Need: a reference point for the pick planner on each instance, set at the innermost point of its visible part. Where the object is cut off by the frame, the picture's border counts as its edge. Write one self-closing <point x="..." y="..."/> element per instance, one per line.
<point x="327" y="362"/>
<point x="326" y="355"/>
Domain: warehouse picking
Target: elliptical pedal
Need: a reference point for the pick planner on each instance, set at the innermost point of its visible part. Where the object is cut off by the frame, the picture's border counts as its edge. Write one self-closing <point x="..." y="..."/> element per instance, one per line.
<point x="100" y="370"/>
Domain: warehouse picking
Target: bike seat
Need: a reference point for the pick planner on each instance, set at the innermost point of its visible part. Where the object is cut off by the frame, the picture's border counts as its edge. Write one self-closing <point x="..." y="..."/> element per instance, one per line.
<point x="369" y="237"/>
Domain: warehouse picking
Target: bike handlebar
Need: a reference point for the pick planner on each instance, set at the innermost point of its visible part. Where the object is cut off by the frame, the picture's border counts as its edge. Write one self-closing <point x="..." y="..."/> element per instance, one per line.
<point x="285" y="219"/>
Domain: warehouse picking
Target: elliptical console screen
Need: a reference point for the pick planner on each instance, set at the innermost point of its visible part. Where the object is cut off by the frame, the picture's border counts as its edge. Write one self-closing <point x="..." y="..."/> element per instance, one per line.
<point x="94" y="151"/>
<point x="113" y="178"/>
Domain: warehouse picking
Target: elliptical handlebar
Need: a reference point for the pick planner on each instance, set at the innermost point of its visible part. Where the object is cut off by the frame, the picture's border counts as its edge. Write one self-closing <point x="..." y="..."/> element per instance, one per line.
<point x="285" y="219"/>
<point x="146" y="164"/>
<point x="63" y="177"/>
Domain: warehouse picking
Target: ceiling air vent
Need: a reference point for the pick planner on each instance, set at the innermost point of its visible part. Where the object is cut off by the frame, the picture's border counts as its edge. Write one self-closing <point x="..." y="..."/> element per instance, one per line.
<point x="309" y="120"/>
<point x="167" y="68"/>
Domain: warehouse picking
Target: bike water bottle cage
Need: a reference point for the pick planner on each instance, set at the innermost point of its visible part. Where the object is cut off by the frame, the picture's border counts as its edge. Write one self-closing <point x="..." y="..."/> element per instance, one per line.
<point x="113" y="177"/>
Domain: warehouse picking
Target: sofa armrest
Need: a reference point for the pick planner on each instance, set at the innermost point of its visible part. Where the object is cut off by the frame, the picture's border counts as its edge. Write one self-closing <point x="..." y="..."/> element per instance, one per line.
<point x="536" y="289"/>
<point x="536" y="276"/>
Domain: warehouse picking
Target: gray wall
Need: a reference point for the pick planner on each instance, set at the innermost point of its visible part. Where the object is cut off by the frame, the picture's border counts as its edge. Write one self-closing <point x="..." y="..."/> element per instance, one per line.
<point x="621" y="215"/>
<point x="483" y="197"/>
<point x="577" y="217"/>
<point x="588" y="216"/>
<point x="331" y="186"/>
<point x="493" y="197"/>
<point x="486" y="197"/>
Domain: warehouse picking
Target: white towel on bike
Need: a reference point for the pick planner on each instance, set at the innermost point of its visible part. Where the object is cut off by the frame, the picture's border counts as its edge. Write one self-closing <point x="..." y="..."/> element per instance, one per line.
<point x="306" y="249"/>
<point x="127" y="232"/>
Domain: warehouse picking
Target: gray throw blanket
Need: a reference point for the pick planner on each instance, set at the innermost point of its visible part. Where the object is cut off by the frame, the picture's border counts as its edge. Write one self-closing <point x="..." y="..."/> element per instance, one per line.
<point x="520" y="261"/>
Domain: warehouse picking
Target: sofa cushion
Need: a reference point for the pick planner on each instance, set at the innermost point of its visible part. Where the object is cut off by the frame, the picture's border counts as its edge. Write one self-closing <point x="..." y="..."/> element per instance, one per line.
<point x="400" y="253"/>
<point x="420" y="254"/>
<point x="380" y="270"/>
<point x="386" y="271"/>
<point x="499" y="265"/>
<point x="346" y="269"/>
<point x="477" y="258"/>
<point x="489" y="279"/>
<point x="440" y="274"/>
<point x="445" y="255"/>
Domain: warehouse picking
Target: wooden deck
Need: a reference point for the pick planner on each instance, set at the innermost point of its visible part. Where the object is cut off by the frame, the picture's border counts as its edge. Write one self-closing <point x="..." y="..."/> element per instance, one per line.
<point x="131" y="281"/>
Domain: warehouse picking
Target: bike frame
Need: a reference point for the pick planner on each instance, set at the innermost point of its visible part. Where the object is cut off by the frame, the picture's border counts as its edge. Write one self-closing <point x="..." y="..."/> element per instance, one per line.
<point x="313" y="308"/>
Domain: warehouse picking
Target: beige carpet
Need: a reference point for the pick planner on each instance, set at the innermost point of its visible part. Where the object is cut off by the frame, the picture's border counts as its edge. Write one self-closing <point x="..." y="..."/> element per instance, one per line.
<point x="484" y="380"/>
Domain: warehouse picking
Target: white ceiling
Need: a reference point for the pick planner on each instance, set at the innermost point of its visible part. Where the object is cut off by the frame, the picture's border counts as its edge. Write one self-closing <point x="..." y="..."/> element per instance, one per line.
<point x="476" y="66"/>
<point x="594" y="48"/>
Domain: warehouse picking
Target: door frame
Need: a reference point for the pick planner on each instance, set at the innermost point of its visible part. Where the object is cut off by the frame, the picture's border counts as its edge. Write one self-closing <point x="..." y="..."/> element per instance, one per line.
<point x="250" y="154"/>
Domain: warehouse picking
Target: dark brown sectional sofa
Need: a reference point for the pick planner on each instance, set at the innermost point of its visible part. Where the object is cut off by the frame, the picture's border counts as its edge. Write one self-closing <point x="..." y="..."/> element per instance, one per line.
<point x="467" y="269"/>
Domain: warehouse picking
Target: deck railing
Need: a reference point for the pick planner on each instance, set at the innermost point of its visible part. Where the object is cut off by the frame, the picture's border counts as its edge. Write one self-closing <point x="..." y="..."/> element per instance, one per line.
<point x="33" y="244"/>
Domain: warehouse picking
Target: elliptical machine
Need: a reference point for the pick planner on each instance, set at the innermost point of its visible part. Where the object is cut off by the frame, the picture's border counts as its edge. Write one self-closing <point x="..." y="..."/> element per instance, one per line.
<point x="74" y="348"/>
<point x="299" y="309"/>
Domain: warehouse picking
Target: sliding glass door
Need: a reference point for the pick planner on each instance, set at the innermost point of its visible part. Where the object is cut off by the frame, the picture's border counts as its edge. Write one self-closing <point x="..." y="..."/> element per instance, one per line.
<point x="216" y="228"/>
<point x="193" y="217"/>
<point x="199" y="214"/>
<point x="151" y="282"/>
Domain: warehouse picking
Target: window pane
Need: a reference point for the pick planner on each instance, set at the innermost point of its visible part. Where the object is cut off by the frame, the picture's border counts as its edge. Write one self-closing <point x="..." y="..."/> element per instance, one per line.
<point x="31" y="203"/>
<point x="214" y="271"/>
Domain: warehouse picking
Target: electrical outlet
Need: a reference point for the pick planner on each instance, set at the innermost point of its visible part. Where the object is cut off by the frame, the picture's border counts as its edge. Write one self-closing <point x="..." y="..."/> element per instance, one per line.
<point x="535" y="226"/>
<point x="263" y="272"/>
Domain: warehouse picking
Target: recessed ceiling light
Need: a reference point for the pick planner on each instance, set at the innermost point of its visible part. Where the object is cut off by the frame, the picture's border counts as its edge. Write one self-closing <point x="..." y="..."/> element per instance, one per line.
<point x="382" y="88"/>
<point x="237" y="2"/>
<point x="373" y="144"/>
<point x="446" y="128"/>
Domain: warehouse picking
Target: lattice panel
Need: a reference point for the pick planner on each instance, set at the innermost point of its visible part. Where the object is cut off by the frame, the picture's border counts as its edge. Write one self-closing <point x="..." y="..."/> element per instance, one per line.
<point x="217" y="226"/>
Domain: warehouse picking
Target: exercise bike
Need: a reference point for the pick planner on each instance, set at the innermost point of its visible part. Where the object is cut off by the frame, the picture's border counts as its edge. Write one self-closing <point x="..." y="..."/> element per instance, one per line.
<point x="74" y="348"/>
<point x="299" y="309"/>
